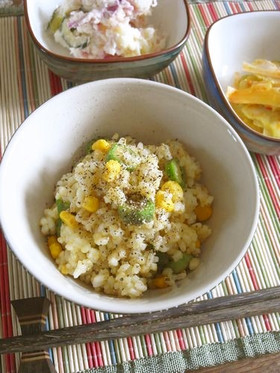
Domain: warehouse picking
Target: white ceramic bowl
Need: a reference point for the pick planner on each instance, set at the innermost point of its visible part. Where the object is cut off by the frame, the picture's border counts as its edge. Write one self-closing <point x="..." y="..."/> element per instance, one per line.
<point x="228" y="43"/>
<point x="45" y="145"/>
<point x="169" y="17"/>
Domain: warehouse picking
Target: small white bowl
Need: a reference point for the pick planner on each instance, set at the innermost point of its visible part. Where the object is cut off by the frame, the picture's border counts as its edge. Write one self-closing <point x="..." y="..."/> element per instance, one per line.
<point x="228" y="43"/>
<point x="170" y="17"/>
<point x="47" y="143"/>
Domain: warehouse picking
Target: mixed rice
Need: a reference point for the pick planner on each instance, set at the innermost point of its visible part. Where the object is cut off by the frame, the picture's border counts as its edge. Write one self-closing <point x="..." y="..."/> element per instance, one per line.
<point x="129" y="217"/>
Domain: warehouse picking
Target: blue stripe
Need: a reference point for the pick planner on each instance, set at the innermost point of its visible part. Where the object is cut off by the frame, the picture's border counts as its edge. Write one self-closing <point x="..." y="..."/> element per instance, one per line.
<point x="239" y="290"/>
<point x="217" y="325"/>
<point x="174" y="75"/>
<point x="111" y="343"/>
<point x="227" y="8"/>
<point x="21" y="62"/>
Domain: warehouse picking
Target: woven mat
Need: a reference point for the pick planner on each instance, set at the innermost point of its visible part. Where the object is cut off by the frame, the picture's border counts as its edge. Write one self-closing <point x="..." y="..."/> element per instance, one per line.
<point x="25" y="83"/>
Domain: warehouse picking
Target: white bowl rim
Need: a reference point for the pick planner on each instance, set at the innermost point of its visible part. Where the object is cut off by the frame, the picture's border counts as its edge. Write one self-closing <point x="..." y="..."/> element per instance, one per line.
<point x="217" y="83"/>
<point x="109" y="306"/>
<point x="108" y="60"/>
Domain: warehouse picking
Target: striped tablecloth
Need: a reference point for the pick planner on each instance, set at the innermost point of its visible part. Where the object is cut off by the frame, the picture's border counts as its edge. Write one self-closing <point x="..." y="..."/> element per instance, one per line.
<point x="25" y="83"/>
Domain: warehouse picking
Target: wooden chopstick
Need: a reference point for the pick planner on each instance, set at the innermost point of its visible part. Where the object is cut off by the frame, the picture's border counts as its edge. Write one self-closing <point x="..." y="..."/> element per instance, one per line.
<point x="191" y="314"/>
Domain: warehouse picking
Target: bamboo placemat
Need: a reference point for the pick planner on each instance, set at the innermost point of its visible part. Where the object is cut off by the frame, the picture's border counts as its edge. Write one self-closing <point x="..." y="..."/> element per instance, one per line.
<point x="25" y="83"/>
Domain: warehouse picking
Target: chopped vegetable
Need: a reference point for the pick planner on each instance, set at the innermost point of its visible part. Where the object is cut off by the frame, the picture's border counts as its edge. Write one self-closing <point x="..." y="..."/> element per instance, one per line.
<point x="72" y="37"/>
<point x="54" y="246"/>
<point x="255" y="97"/>
<point x="61" y="206"/>
<point x="174" y="172"/>
<point x="63" y="269"/>
<point x="91" y="204"/>
<point x="68" y="219"/>
<point x="114" y="153"/>
<point x="159" y="282"/>
<point x="175" y="189"/>
<point x="163" y="260"/>
<point x="263" y="67"/>
<point x="124" y="155"/>
<point x="56" y="21"/>
<point x="101" y="145"/>
<point x="181" y="264"/>
<point x="260" y="94"/>
<point x="203" y="212"/>
<point x="164" y="201"/>
<point x="137" y="211"/>
<point x="112" y="170"/>
<point x="194" y="263"/>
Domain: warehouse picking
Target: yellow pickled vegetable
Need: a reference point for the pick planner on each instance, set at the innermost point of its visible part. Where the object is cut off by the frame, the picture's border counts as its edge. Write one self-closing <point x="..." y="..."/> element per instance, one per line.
<point x="261" y="94"/>
<point x="255" y="97"/>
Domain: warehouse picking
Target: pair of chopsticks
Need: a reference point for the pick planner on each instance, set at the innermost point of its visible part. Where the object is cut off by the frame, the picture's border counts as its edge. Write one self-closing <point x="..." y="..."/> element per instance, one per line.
<point x="187" y="315"/>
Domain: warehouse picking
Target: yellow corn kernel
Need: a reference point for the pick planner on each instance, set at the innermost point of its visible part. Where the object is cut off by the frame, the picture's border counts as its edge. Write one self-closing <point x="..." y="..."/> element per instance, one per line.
<point x="203" y="212"/>
<point x="159" y="282"/>
<point x="68" y="219"/>
<point x="63" y="269"/>
<point x="175" y="189"/>
<point x="91" y="204"/>
<point x="101" y="145"/>
<point x="164" y="201"/>
<point x="112" y="170"/>
<point x="51" y="239"/>
<point x="54" y="246"/>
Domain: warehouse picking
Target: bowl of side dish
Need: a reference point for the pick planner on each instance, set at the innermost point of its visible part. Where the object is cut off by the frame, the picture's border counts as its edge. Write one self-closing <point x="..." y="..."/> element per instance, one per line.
<point x="231" y="53"/>
<point x="121" y="53"/>
<point x="69" y="221"/>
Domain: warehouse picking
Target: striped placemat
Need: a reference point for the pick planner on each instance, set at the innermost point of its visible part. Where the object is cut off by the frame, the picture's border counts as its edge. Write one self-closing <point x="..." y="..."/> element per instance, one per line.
<point x="25" y="83"/>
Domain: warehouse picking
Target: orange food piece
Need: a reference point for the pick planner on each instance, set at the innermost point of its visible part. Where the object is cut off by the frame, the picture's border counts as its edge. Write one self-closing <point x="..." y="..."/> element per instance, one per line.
<point x="203" y="212"/>
<point x="159" y="282"/>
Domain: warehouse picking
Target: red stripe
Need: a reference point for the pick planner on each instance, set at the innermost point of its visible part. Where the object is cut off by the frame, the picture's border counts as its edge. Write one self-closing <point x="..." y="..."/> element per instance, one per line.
<point x="212" y="11"/>
<point x="5" y="304"/>
<point x="250" y="6"/>
<point x="180" y="339"/>
<point x="251" y="272"/>
<point x="55" y="83"/>
<point x="167" y="341"/>
<point x="131" y="348"/>
<point x="149" y="345"/>
<point x="238" y="8"/>
<point x="275" y="168"/>
<point x="186" y="69"/>
<point x="266" y="179"/>
<point x="233" y="8"/>
<point x="94" y="352"/>
<point x="267" y="323"/>
<point x="202" y="10"/>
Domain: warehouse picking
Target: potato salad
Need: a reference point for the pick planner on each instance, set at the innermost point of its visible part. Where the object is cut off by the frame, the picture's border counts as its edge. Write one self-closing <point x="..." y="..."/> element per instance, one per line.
<point x="104" y="28"/>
